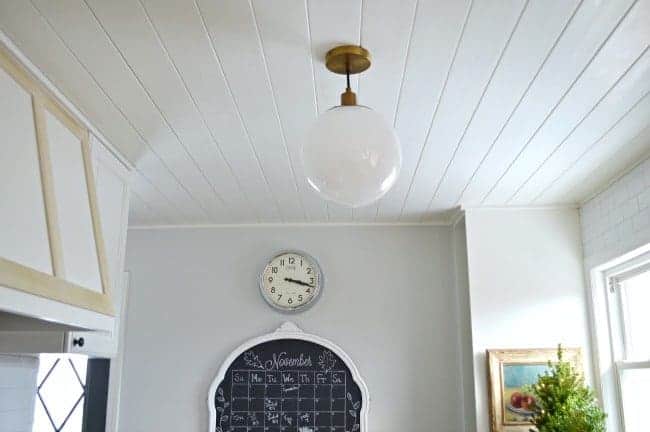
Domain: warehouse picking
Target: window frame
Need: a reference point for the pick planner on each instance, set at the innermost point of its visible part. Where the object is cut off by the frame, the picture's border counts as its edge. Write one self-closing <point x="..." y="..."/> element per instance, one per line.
<point x="611" y="338"/>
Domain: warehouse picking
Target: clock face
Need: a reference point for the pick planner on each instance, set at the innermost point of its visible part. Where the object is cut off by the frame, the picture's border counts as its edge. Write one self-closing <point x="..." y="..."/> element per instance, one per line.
<point x="291" y="281"/>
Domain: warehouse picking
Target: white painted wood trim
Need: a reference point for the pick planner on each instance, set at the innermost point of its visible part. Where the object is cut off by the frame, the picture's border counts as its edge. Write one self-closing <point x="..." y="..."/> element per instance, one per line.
<point x="602" y="328"/>
<point x="117" y="364"/>
<point x="44" y="309"/>
<point x="108" y="161"/>
<point x="289" y="330"/>
<point x="291" y="224"/>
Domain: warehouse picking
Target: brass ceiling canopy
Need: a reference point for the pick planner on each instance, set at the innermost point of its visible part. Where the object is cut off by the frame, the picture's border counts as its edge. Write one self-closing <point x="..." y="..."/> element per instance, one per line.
<point x="348" y="60"/>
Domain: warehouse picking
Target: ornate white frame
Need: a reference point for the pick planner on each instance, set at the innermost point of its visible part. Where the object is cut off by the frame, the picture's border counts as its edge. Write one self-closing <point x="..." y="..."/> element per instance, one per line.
<point x="289" y="330"/>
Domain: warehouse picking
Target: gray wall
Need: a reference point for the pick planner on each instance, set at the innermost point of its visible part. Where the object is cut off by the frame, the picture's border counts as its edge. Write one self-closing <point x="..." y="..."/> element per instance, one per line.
<point x="388" y="301"/>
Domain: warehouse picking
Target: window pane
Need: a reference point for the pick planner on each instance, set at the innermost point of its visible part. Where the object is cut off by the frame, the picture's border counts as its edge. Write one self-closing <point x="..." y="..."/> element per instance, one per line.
<point x="60" y="394"/>
<point x="75" y="422"/>
<point x="635" y="384"/>
<point x="635" y="293"/>
<point x="41" y="420"/>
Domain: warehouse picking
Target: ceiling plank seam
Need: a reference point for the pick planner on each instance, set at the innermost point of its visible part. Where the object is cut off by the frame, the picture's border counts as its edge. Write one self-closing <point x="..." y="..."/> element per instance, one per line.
<point x="435" y="111"/>
<point x="200" y="113"/>
<point x="577" y="125"/>
<point x="519" y="102"/>
<point x="118" y="108"/>
<point x="149" y="96"/>
<point x="477" y="106"/>
<point x="562" y="98"/>
<point x="276" y="110"/>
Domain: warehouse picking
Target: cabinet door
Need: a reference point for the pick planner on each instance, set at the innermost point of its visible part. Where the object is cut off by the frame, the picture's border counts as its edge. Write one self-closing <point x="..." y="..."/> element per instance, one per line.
<point x="75" y="220"/>
<point x="112" y="184"/>
<point x="24" y="236"/>
<point x="112" y="200"/>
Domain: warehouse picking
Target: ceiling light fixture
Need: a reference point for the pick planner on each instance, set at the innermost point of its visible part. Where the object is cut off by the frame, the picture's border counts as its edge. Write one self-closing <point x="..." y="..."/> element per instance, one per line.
<point x="351" y="155"/>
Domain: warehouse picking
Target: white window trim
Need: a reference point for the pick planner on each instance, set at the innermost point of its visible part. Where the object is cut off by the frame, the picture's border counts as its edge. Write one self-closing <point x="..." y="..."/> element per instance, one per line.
<point x="604" y="306"/>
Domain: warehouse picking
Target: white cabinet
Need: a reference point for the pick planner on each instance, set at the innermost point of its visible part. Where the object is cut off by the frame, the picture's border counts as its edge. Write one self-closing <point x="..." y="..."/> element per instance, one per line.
<point x="112" y="185"/>
<point x="63" y="215"/>
<point x="97" y="344"/>
<point x="73" y="209"/>
<point x="22" y="210"/>
<point x="113" y="203"/>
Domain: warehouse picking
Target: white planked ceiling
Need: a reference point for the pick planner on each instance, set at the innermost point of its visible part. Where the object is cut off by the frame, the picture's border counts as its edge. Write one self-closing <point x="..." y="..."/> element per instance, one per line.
<point x="496" y="103"/>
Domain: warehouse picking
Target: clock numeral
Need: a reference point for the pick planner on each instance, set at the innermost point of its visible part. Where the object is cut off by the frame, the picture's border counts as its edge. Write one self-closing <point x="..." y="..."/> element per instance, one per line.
<point x="287" y="286"/>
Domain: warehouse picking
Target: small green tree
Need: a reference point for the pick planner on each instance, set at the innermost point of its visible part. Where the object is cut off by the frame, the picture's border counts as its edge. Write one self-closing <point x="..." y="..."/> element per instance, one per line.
<point x="563" y="403"/>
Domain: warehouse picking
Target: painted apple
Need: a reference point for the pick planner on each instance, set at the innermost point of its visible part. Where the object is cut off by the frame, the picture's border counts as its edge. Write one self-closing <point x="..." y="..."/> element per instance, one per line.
<point x="527" y="402"/>
<point x="516" y="399"/>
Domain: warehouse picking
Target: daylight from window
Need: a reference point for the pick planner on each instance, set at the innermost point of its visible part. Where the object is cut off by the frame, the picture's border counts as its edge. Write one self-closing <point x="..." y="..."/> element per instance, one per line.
<point x="61" y="392"/>
<point x="635" y="296"/>
<point x="634" y="300"/>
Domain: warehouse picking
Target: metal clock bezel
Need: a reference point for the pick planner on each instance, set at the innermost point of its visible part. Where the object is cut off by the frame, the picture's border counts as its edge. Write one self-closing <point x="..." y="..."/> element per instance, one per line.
<point x="317" y="290"/>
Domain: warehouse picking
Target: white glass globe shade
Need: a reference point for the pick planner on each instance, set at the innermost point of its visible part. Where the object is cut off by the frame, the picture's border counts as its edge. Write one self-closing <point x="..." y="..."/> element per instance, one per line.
<point x="351" y="155"/>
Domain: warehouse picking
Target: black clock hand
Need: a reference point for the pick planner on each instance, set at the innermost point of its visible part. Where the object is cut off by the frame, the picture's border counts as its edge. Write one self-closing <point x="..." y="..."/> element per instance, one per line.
<point x="299" y="282"/>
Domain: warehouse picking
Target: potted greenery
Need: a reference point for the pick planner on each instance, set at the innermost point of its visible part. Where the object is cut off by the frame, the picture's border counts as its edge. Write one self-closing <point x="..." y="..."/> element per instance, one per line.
<point x="563" y="403"/>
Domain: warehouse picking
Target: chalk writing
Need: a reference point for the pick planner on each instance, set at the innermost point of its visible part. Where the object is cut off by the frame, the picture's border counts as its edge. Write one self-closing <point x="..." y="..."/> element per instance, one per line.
<point x="281" y="361"/>
<point x="278" y="387"/>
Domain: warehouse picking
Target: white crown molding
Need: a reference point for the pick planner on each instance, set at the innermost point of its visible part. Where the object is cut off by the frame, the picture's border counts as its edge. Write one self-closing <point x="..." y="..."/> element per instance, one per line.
<point x="572" y="206"/>
<point x="455" y="216"/>
<point x="291" y="224"/>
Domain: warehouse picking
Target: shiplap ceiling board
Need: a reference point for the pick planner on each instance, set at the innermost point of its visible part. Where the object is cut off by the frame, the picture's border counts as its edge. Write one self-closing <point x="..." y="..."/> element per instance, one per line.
<point x="499" y="103"/>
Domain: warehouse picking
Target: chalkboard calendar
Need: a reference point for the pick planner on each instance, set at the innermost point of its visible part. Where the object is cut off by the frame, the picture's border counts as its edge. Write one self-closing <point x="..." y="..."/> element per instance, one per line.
<point x="288" y="382"/>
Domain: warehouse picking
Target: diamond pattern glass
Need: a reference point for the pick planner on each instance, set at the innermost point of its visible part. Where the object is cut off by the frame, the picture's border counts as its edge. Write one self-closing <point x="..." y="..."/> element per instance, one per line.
<point x="61" y="392"/>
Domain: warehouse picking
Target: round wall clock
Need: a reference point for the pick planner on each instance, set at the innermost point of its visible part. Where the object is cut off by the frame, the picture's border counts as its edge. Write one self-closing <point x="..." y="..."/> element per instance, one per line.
<point x="291" y="281"/>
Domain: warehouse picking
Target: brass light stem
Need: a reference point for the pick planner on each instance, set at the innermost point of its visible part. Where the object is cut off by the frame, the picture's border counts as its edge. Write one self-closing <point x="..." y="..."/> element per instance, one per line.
<point x="348" y="97"/>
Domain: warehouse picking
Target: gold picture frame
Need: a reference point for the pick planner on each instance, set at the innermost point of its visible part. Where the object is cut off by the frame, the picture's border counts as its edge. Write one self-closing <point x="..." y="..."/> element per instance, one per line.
<point x="508" y="371"/>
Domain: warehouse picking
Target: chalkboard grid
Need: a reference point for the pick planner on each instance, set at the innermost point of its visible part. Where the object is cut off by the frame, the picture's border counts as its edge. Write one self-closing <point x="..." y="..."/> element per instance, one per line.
<point x="288" y="400"/>
<point x="287" y="385"/>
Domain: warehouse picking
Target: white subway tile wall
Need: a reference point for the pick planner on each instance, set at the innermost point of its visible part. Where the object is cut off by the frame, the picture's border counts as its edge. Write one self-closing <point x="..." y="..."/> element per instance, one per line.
<point x="17" y="392"/>
<point x="617" y="220"/>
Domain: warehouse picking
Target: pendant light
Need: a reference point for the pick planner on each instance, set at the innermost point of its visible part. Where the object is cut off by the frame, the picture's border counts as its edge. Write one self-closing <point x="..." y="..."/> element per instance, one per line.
<point x="351" y="154"/>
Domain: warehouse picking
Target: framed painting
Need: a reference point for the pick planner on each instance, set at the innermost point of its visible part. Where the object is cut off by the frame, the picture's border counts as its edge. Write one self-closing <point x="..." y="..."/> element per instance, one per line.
<point x="509" y="371"/>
